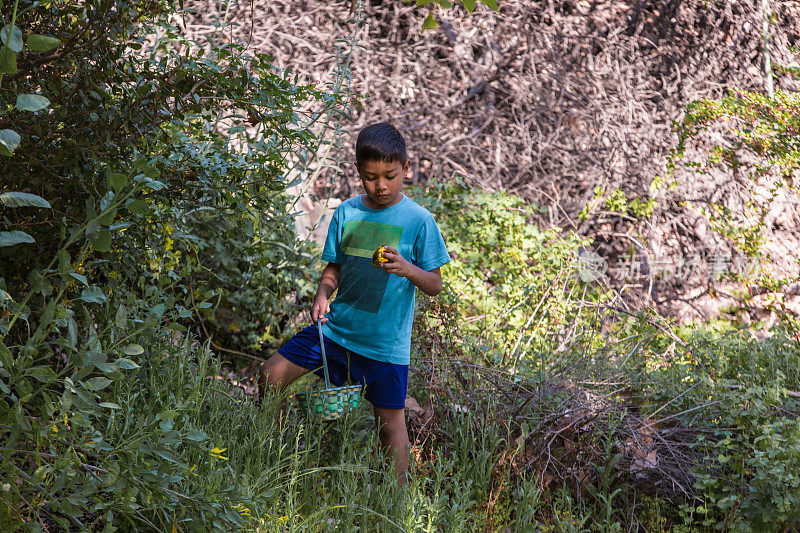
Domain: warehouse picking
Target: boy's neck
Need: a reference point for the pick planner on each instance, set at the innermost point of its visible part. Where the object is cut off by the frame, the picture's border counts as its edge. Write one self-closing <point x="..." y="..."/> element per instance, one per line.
<point x="367" y="201"/>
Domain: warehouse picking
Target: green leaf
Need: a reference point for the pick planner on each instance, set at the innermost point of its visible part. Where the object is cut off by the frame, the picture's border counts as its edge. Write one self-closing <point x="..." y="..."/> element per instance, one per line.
<point x="106" y="201"/>
<point x="117" y="180"/>
<point x="10" y="238"/>
<point x="80" y="277"/>
<point x="133" y="349"/>
<point x="154" y="184"/>
<point x="120" y="225"/>
<point x="12" y="37"/>
<point x="9" y="141"/>
<point x="447" y="4"/>
<point x="491" y="3"/>
<point x="49" y="310"/>
<point x="93" y="295"/>
<point x="4" y="296"/>
<point x="31" y="102"/>
<point x="103" y="241"/>
<point x="167" y="414"/>
<point x="23" y="199"/>
<point x="41" y="472"/>
<point x="121" y="318"/>
<point x="233" y="516"/>
<point x="72" y="332"/>
<point x="93" y="358"/>
<point x="107" y="217"/>
<point x="42" y="373"/>
<point x="168" y="455"/>
<point x="158" y="310"/>
<point x="469" y="4"/>
<point x="126" y="364"/>
<point x="99" y="383"/>
<point x="5" y="356"/>
<point x="92" y="229"/>
<point x="196" y="435"/>
<point x="430" y="22"/>
<point x="8" y="61"/>
<point x="63" y="261"/>
<point x="137" y="207"/>
<point x="42" y="43"/>
<point x="107" y="368"/>
<point x="110" y="405"/>
<point x="22" y="388"/>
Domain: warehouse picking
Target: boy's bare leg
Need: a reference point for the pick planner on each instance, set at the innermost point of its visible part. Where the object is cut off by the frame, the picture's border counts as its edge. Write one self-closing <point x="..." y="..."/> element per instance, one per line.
<point x="277" y="373"/>
<point x="394" y="439"/>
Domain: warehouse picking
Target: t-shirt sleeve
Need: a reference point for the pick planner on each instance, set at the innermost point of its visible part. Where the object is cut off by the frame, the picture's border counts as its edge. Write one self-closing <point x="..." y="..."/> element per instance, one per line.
<point x="332" y="252"/>
<point x="429" y="249"/>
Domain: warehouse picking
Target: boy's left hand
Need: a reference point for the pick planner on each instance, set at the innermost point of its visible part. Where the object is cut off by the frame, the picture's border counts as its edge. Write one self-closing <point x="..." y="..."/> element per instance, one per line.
<point x="429" y="282"/>
<point x="396" y="263"/>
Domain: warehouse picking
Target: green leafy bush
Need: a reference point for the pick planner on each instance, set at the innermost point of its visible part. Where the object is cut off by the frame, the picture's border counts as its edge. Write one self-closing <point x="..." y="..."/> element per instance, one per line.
<point x="128" y="213"/>
<point x="514" y="285"/>
<point x="732" y="391"/>
<point x="758" y="142"/>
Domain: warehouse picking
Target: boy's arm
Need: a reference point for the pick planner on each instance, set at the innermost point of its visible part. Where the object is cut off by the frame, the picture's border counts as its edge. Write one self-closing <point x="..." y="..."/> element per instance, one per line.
<point x="327" y="284"/>
<point x="429" y="282"/>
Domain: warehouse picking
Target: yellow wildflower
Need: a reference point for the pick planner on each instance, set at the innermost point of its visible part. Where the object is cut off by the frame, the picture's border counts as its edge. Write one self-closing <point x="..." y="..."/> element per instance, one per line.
<point x="215" y="453"/>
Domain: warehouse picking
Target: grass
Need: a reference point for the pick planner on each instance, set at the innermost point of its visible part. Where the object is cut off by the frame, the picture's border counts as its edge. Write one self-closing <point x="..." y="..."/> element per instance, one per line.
<point x="175" y="446"/>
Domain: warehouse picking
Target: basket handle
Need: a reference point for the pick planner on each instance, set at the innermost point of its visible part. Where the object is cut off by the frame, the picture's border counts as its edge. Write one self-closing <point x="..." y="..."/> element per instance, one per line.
<point x="324" y="359"/>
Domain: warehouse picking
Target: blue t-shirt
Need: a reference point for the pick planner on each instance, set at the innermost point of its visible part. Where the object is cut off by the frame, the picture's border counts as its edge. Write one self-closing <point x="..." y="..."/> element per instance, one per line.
<point x="373" y="310"/>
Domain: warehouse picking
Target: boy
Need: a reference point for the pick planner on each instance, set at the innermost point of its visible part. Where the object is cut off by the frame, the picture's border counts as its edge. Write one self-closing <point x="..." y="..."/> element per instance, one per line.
<point x="367" y="328"/>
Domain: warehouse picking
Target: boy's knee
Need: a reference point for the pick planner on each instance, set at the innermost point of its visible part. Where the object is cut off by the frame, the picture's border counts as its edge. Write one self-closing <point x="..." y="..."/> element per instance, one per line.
<point x="264" y="375"/>
<point x="271" y="376"/>
<point x="278" y="372"/>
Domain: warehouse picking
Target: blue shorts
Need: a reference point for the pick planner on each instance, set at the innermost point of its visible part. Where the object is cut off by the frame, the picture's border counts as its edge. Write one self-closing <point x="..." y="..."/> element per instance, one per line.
<point x="385" y="382"/>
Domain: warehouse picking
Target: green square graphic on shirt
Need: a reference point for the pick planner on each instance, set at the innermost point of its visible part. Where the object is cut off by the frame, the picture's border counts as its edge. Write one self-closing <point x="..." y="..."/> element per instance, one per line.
<point x="361" y="238"/>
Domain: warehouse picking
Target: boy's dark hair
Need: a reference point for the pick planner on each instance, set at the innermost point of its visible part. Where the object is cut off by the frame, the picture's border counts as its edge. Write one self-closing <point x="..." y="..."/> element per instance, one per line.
<point x="380" y="142"/>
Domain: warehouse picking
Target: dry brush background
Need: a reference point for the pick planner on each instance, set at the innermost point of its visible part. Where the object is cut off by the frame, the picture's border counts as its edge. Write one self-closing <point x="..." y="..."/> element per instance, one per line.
<point x="547" y="99"/>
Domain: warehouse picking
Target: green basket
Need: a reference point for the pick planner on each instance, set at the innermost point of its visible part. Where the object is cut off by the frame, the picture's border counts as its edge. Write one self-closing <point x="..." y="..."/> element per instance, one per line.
<point x="329" y="403"/>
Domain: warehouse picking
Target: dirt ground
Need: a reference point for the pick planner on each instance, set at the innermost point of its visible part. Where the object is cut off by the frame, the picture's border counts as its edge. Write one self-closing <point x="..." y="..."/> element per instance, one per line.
<point x="551" y="100"/>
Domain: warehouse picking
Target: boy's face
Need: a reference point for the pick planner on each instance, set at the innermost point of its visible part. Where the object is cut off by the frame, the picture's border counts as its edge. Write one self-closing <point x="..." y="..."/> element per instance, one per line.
<point x="383" y="182"/>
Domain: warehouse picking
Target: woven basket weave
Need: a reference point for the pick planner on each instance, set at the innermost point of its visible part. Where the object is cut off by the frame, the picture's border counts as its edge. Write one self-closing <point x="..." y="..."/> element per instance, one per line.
<point x="329" y="403"/>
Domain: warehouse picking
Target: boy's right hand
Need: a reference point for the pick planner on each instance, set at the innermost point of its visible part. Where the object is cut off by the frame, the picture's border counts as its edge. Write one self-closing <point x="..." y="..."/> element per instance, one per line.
<point x="319" y="308"/>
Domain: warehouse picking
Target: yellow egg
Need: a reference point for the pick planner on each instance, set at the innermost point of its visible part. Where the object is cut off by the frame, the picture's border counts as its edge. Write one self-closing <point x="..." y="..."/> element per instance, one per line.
<point x="377" y="257"/>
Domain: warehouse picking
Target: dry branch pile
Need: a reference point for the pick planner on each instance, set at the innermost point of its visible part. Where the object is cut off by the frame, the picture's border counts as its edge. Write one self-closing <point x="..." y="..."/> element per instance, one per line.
<point x="565" y="430"/>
